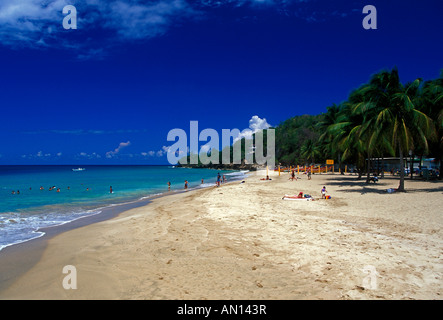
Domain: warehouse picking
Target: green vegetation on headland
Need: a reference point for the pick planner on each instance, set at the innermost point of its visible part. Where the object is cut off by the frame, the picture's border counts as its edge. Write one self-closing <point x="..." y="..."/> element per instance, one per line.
<point x="382" y="118"/>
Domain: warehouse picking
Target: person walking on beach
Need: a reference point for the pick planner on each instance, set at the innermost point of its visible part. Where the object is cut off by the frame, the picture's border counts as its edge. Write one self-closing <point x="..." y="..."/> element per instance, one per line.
<point x="309" y="174"/>
<point x="218" y="179"/>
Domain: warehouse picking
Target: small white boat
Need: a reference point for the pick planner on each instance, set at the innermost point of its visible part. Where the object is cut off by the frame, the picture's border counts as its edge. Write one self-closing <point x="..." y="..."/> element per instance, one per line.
<point x="79" y="169"/>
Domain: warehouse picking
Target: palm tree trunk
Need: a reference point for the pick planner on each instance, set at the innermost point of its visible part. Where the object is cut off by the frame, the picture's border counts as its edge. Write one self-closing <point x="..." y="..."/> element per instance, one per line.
<point x="383" y="166"/>
<point x="401" y="186"/>
<point x="368" y="177"/>
<point x="339" y="164"/>
<point x="440" y="176"/>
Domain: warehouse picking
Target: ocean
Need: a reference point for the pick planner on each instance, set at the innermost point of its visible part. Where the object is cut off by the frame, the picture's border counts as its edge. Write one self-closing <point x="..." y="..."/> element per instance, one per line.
<point x="28" y="204"/>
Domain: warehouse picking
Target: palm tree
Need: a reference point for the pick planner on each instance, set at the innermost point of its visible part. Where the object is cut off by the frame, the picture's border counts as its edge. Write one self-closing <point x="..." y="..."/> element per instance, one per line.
<point x="327" y="137"/>
<point x="310" y="151"/>
<point x="346" y="131"/>
<point x="397" y="116"/>
<point x="432" y="104"/>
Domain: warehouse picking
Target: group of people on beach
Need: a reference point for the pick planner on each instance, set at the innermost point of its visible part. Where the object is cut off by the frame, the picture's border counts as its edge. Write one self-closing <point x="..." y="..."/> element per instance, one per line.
<point x="220" y="180"/>
<point x="308" y="173"/>
<point x="293" y="177"/>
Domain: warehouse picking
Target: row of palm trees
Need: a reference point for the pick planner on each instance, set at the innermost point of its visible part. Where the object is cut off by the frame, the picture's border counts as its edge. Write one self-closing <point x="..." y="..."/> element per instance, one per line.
<point x="385" y="118"/>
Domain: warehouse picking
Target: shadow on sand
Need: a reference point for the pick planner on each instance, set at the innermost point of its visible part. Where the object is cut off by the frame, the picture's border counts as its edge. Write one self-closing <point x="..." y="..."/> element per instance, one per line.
<point x="353" y="184"/>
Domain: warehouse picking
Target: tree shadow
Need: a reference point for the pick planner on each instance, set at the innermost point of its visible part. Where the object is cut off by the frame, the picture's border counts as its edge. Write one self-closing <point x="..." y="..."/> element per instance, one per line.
<point x="353" y="184"/>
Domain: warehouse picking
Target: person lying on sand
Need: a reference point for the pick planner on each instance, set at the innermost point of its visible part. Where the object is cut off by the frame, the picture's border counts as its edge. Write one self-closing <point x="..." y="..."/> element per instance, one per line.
<point x="299" y="196"/>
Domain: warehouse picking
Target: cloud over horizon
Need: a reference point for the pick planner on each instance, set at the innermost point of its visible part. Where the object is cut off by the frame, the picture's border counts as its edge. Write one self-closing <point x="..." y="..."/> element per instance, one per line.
<point x="117" y="150"/>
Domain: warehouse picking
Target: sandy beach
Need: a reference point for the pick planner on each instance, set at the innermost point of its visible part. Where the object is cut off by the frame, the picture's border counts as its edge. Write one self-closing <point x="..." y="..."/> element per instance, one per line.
<point x="242" y="241"/>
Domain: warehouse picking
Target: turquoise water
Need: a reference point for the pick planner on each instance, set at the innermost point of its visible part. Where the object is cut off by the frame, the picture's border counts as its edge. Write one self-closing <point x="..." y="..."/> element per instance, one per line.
<point x="82" y="193"/>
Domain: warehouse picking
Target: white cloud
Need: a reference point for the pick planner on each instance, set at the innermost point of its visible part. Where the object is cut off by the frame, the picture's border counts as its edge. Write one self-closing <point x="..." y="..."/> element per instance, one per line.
<point x="38" y="23"/>
<point x="163" y="151"/>
<point x="158" y="153"/>
<point x="255" y="124"/>
<point x="238" y="3"/>
<point x="29" y="22"/>
<point x="117" y="150"/>
<point x="136" y="21"/>
<point x="93" y="155"/>
<point x="39" y="155"/>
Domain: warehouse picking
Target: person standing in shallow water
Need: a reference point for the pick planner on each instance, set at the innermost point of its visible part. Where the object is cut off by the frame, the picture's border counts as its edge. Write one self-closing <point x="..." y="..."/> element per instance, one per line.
<point x="169" y="186"/>
<point x="186" y="184"/>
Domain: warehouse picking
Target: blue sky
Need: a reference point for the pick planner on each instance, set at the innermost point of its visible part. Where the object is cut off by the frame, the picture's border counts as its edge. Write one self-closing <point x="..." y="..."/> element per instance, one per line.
<point x="111" y="90"/>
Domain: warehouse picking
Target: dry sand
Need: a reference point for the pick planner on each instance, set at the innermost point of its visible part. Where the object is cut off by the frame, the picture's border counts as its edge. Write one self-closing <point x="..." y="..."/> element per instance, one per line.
<point x="242" y="241"/>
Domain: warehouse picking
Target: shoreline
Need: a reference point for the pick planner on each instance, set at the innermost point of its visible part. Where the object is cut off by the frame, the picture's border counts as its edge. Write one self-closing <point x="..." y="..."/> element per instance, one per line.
<point x="78" y="211"/>
<point x="33" y="248"/>
<point x="16" y="259"/>
<point x="242" y="241"/>
<point x="128" y="202"/>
